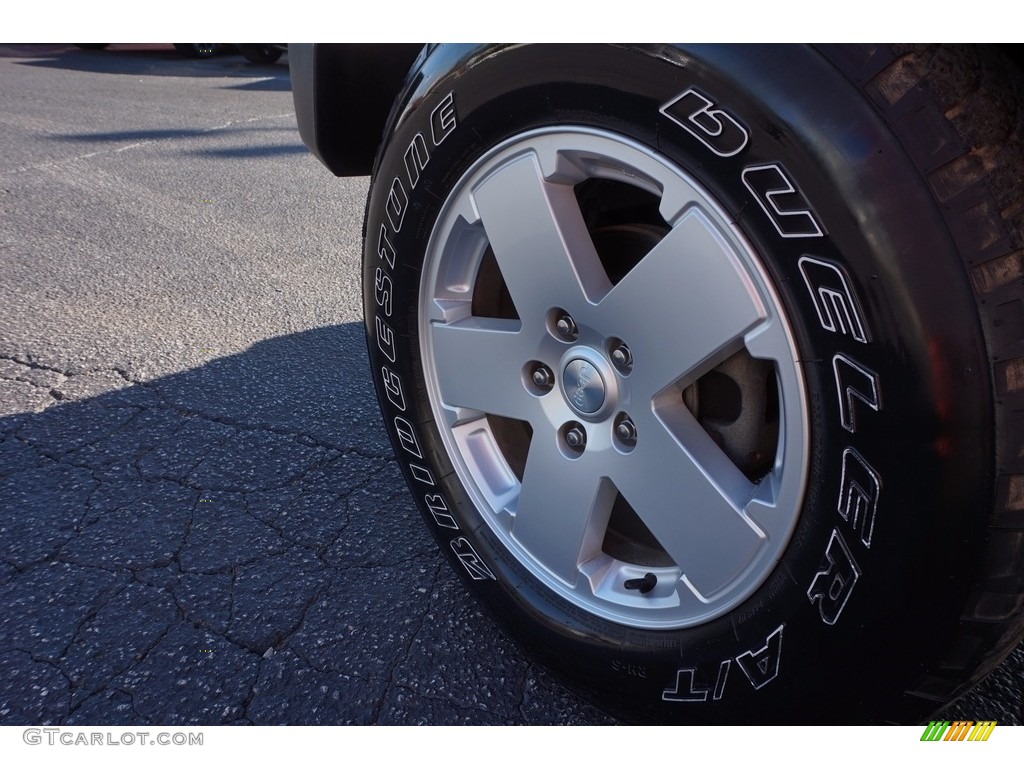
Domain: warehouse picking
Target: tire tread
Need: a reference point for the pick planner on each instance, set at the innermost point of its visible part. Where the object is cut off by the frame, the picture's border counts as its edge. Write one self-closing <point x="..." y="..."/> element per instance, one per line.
<point x="957" y="110"/>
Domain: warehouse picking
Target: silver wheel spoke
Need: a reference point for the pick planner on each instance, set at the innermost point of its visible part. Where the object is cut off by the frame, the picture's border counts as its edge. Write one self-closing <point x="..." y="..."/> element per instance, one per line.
<point x="562" y="510"/>
<point x="706" y="313"/>
<point x="677" y="388"/>
<point x="692" y="502"/>
<point x="539" y="239"/>
<point x="484" y="358"/>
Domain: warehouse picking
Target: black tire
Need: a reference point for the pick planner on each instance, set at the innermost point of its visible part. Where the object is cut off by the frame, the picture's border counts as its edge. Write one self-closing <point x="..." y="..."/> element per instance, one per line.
<point x="862" y="221"/>
<point x="265" y="53"/>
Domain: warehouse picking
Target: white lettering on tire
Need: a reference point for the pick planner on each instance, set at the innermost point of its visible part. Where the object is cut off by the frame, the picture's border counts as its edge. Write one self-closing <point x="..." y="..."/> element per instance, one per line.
<point x="760" y="666"/>
<point x="832" y="587"/>
<point x="855" y="382"/>
<point x="435" y="503"/>
<point x="393" y="387"/>
<point x="443" y="120"/>
<point x="715" y="128"/>
<point x="476" y="567"/>
<point x="837" y="306"/>
<point x="859" y="490"/>
<point x="839" y="311"/>
<point x="783" y="204"/>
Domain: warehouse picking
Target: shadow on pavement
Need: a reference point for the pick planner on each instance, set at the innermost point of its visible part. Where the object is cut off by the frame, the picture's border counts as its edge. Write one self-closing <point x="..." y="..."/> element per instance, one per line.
<point x="245" y="150"/>
<point x="233" y="544"/>
<point x="278" y="82"/>
<point x="150" y="60"/>
<point x="227" y="154"/>
<point x="205" y="527"/>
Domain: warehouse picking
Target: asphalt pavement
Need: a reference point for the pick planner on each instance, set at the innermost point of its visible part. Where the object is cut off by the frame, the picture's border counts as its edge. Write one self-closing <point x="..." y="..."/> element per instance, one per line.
<point x="201" y="521"/>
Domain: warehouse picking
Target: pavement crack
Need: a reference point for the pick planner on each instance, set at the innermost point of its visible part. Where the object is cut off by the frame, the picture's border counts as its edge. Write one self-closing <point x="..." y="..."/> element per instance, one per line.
<point x="22" y="380"/>
<point x="521" y="685"/>
<point x="48" y="662"/>
<point x="247" y="702"/>
<point x="116" y="673"/>
<point x="306" y="439"/>
<point x="231" y="594"/>
<point x="282" y="640"/>
<point x="62" y="458"/>
<point x="90" y="616"/>
<point x="34" y="365"/>
<point x="402" y="658"/>
<point x="448" y="702"/>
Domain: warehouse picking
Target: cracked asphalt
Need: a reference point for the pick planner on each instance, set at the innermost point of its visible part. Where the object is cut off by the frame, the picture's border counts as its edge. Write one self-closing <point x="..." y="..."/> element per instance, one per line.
<point x="201" y="521"/>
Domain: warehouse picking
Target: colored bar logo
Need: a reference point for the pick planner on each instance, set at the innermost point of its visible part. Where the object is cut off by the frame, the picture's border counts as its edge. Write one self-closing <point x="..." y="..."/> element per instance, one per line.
<point x="958" y="730"/>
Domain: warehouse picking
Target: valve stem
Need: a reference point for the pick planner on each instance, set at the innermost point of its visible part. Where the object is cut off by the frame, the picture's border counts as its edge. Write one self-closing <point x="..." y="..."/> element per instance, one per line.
<point x="645" y="585"/>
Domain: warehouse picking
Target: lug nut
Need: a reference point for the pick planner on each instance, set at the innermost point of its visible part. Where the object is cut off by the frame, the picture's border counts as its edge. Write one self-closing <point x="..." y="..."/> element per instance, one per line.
<point x="622" y="358"/>
<point x="576" y="438"/>
<point x="566" y="327"/>
<point x="626" y="431"/>
<point x="543" y="377"/>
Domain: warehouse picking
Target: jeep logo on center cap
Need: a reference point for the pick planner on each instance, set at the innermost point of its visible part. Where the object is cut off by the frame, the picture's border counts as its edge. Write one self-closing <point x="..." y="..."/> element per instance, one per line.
<point x="583" y="386"/>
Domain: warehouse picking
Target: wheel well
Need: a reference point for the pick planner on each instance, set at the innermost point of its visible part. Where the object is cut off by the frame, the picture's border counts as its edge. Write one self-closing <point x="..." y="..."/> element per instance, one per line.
<point x="348" y="99"/>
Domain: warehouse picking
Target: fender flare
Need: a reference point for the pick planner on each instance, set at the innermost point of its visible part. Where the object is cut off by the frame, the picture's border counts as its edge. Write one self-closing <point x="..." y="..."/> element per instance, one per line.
<point x="343" y="94"/>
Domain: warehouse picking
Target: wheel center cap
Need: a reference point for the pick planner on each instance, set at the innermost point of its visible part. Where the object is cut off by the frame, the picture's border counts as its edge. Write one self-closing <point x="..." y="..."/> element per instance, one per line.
<point x="583" y="386"/>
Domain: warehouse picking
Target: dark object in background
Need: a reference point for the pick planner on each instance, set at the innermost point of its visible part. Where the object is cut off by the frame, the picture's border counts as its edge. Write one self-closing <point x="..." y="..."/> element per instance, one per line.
<point x="199" y="50"/>
<point x="262" y="53"/>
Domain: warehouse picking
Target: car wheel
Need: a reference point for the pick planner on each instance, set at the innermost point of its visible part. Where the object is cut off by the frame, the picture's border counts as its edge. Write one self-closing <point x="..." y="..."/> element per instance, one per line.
<point x="689" y="374"/>
<point x="261" y="54"/>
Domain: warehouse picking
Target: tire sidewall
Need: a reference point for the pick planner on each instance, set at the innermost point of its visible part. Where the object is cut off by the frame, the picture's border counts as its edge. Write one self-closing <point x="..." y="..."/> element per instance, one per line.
<point x="859" y="606"/>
